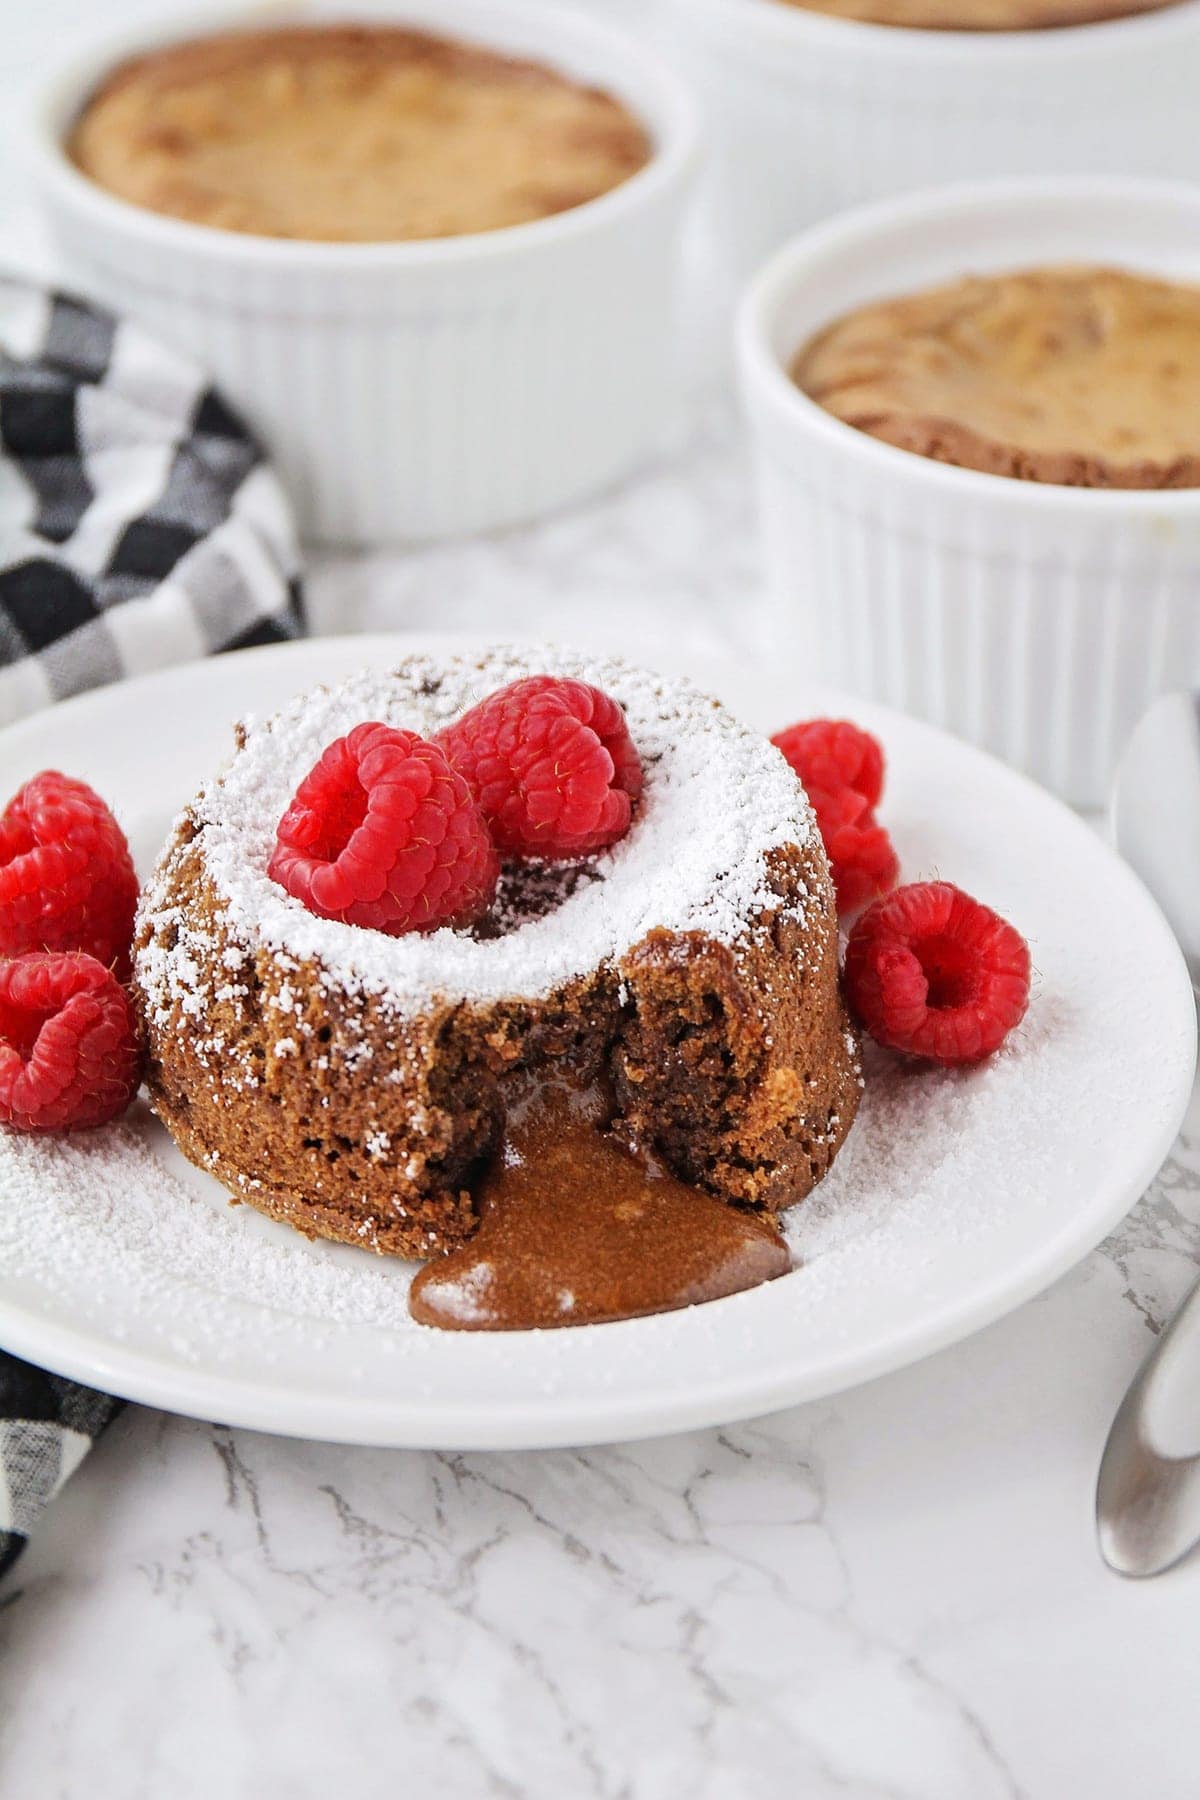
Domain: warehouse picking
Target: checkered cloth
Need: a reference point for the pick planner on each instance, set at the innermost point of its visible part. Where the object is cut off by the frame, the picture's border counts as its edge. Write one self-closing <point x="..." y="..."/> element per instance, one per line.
<point x="139" y="526"/>
<point x="47" y="1427"/>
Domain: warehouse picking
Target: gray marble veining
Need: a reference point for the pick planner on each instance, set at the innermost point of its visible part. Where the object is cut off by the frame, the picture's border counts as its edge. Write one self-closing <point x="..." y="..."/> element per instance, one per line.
<point x="893" y="1595"/>
<point x="889" y="1596"/>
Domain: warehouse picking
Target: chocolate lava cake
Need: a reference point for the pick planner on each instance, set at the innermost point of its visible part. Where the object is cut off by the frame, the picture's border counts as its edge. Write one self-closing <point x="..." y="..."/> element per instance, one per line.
<point x="356" y="1085"/>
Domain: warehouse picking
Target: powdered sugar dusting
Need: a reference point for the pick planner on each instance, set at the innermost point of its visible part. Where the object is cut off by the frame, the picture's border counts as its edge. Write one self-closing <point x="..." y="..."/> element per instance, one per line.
<point x="930" y="1158"/>
<point x="101" y="1211"/>
<point x="100" y="1214"/>
<point x="718" y="798"/>
<point x="953" y="1192"/>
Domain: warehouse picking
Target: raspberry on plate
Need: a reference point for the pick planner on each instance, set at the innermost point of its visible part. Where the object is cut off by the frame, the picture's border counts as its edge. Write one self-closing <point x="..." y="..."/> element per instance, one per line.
<point x="66" y="876"/>
<point x="862" y="862"/>
<point x="552" y="765"/>
<point x="383" y="833"/>
<point x="832" y="754"/>
<point x="937" y="974"/>
<point x="69" y="1053"/>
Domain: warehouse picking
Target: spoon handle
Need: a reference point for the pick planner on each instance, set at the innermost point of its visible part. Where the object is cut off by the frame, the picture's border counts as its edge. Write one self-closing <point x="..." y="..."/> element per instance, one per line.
<point x="1148" y="1504"/>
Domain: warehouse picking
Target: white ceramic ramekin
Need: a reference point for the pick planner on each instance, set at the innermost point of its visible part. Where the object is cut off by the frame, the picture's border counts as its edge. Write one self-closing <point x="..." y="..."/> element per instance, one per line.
<point x="416" y="390"/>
<point x="1038" y="621"/>
<point x="809" y="115"/>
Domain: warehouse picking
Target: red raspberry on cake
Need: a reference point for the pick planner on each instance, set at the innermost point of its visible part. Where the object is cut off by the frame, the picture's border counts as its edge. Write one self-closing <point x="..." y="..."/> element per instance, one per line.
<point x="69" y="1054"/>
<point x="841" y="767"/>
<point x="66" y="877"/>
<point x="552" y="765"/>
<point x="832" y="754"/>
<point x="933" y="972"/>
<point x="383" y="833"/>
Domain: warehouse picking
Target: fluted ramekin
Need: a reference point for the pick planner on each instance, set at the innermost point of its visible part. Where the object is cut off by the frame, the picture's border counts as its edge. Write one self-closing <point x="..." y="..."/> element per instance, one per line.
<point x="809" y="114"/>
<point x="1035" y="620"/>
<point x="423" y="389"/>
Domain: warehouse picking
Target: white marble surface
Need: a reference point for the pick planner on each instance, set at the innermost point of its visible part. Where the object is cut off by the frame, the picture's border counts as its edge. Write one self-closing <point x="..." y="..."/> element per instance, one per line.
<point x="890" y="1596"/>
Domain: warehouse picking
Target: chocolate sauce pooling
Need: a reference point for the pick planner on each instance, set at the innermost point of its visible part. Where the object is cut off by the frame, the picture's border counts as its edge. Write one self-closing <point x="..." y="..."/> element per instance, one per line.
<point x="575" y="1230"/>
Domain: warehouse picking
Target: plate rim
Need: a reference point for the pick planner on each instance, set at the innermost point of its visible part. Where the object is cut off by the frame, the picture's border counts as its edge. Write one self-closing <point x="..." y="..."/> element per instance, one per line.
<point x="396" y="1421"/>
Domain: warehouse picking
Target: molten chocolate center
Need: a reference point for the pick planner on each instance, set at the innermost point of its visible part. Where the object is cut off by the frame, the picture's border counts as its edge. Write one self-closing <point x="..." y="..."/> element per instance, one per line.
<point x="575" y="1230"/>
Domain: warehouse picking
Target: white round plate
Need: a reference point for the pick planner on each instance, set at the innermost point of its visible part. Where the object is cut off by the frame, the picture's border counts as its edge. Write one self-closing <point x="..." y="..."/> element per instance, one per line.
<point x="958" y="1195"/>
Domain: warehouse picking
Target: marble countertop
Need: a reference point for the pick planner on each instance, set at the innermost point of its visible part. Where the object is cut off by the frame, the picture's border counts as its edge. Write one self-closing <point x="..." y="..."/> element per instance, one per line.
<point x="893" y="1595"/>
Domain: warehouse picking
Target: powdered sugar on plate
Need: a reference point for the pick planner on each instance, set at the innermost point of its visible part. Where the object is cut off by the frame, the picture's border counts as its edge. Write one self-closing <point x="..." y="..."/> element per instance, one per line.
<point x="927" y="1158"/>
<point x="102" y="1214"/>
<point x="103" y="1209"/>
<point x="955" y="1196"/>
<point x="718" y="798"/>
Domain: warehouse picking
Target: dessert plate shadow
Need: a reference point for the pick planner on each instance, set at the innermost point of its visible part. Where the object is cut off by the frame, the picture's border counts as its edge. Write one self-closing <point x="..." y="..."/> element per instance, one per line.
<point x="958" y="1196"/>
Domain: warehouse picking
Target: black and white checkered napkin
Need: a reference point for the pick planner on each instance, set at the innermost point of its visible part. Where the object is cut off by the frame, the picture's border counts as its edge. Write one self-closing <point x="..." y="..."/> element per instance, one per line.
<point x="139" y="526"/>
<point x="47" y="1427"/>
<point x="139" y="523"/>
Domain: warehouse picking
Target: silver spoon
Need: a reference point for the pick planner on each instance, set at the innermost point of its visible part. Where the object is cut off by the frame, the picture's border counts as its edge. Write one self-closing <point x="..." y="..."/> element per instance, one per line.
<point x="1147" y="1499"/>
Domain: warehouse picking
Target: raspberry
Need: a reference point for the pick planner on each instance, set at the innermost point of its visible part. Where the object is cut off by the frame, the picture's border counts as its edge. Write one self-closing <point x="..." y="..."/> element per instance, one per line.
<point x="384" y="833"/>
<point x="841" y="767"/>
<point x="69" y="1053"/>
<point x="552" y="765"/>
<point x="861" y="858"/>
<point x="933" y="972"/>
<point x="66" y="878"/>
<point x="833" y="754"/>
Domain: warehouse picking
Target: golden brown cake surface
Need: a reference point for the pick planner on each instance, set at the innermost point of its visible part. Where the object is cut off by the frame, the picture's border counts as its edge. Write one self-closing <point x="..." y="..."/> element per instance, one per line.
<point x="357" y="1086"/>
<point x="1088" y="377"/>
<point x="981" y="15"/>
<point x="352" y="134"/>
